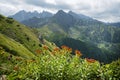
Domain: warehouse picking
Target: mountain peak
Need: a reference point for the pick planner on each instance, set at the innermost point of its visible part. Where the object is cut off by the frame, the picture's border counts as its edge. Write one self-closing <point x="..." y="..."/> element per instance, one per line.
<point x="22" y="11"/>
<point x="70" y="12"/>
<point x="36" y="12"/>
<point x="60" y="11"/>
<point x="44" y="11"/>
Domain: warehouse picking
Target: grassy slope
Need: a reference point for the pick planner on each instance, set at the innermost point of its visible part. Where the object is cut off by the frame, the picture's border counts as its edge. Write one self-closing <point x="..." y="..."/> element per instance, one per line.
<point x="19" y="33"/>
<point x="14" y="47"/>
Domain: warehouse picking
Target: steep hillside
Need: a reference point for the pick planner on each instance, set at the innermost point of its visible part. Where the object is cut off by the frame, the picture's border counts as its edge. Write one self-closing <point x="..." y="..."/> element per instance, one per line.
<point x="19" y="33"/>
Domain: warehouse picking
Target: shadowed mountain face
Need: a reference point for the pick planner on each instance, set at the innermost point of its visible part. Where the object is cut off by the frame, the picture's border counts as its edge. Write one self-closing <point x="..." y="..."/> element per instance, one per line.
<point x="99" y="38"/>
<point x="115" y="24"/>
<point x="23" y="15"/>
<point x="65" y="20"/>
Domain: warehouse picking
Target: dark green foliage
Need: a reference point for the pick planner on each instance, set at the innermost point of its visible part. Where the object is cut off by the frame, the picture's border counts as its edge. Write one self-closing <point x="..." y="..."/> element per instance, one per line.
<point x="8" y="50"/>
<point x="88" y="50"/>
<point x="40" y="45"/>
<point x="28" y="39"/>
<point x="116" y="37"/>
<point x="1" y="17"/>
<point x="10" y="21"/>
<point x="33" y="44"/>
<point x="18" y="25"/>
<point x="21" y="41"/>
<point x="13" y="52"/>
<point x="9" y="18"/>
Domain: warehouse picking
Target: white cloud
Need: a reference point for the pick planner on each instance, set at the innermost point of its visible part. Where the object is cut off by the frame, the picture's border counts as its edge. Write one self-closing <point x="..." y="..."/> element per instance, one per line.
<point x="105" y="10"/>
<point x="7" y="9"/>
<point x="51" y="2"/>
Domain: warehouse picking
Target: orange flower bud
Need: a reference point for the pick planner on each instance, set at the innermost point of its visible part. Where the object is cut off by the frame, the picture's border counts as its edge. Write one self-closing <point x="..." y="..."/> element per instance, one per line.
<point x="66" y="48"/>
<point x="45" y="47"/>
<point x="18" y="58"/>
<point x="78" y="53"/>
<point x="56" y="49"/>
<point x="16" y="68"/>
<point x="90" y="60"/>
<point x="38" y="51"/>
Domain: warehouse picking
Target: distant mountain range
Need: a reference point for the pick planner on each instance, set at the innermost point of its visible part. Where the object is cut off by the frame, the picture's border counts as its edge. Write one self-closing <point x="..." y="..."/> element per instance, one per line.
<point x="23" y="15"/>
<point x="95" y="39"/>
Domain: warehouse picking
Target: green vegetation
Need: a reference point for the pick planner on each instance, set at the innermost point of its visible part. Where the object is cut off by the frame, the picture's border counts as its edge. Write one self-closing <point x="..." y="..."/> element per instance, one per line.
<point x="57" y="64"/>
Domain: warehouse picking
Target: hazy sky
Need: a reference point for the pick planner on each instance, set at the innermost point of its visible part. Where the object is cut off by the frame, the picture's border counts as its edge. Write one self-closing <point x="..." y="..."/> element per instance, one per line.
<point x="104" y="10"/>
